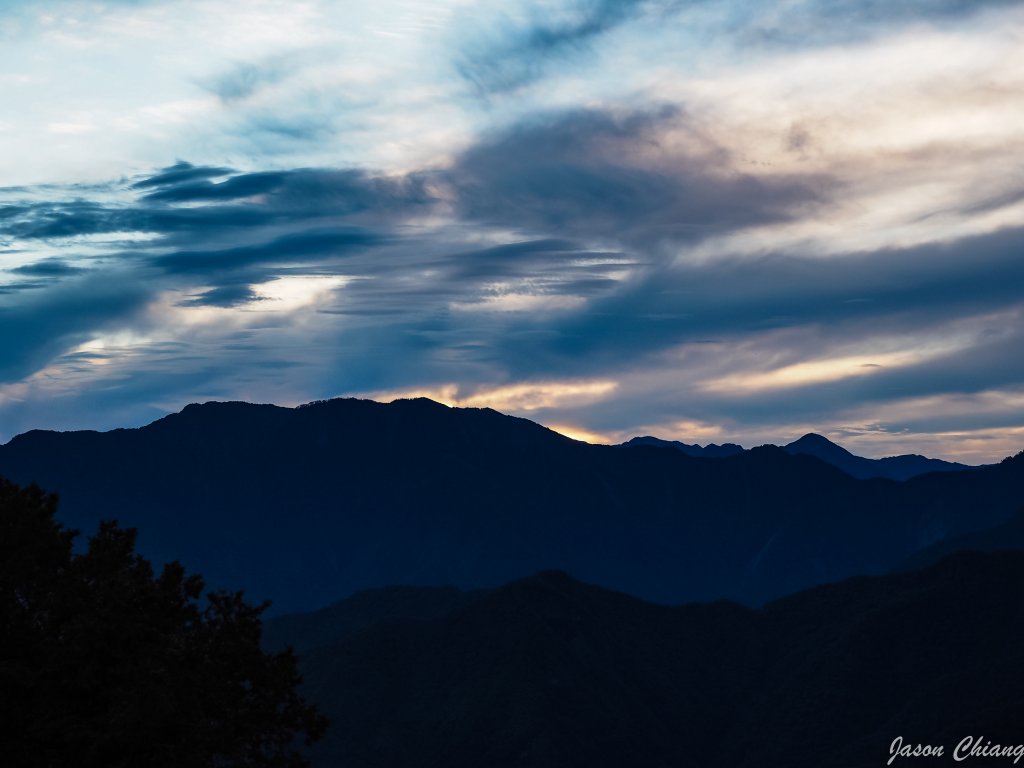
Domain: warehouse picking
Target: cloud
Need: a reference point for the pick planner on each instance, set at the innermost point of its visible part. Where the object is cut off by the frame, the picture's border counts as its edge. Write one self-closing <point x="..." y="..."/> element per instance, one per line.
<point x="512" y="52"/>
<point x="506" y="52"/>
<point x="989" y="363"/>
<point x="303" y="192"/>
<point x="885" y="12"/>
<point x="39" y="326"/>
<point x="419" y="304"/>
<point x="908" y="288"/>
<point x="204" y="249"/>
<point x="186" y="203"/>
<point x="824" y="22"/>
<point x="292" y="248"/>
<point x="244" y="79"/>
<point x="224" y="296"/>
<point x="639" y="176"/>
<point x="180" y="173"/>
<point x="525" y="397"/>
<point x="242" y="185"/>
<point x="47" y="268"/>
<point x="77" y="218"/>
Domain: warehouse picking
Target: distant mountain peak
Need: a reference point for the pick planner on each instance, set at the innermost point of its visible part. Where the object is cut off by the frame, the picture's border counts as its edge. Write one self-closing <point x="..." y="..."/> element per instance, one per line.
<point x="820" y="446"/>
<point x="813" y="437"/>
<point x="420" y="402"/>
<point x="892" y="467"/>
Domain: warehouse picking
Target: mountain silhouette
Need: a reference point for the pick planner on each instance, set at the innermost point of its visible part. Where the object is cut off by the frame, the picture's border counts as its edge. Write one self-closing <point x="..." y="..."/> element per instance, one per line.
<point x="891" y="467"/>
<point x="1005" y="536"/>
<point x="710" y="451"/>
<point x="550" y="672"/>
<point x="302" y="505"/>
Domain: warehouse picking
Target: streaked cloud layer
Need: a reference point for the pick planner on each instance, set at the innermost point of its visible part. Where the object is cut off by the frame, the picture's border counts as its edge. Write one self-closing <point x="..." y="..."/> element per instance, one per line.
<point x="705" y="220"/>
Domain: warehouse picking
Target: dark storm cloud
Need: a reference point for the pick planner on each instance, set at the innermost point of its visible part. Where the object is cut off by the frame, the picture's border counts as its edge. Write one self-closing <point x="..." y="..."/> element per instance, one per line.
<point x="63" y="219"/>
<point x="179" y="173"/>
<point x="47" y="268"/>
<point x="227" y="295"/>
<point x="520" y="259"/>
<point x="588" y="208"/>
<point x="585" y="173"/>
<point x="243" y="185"/>
<point x="11" y="211"/>
<point x="851" y="296"/>
<point x="23" y="285"/>
<point x="305" y="192"/>
<point x="38" y="326"/>
<point x="54" y="220"/>
<point x="189" y="222"/>
<point x="286" y="197"/>
<point x="422" y="306"/>
<point x="211" y="239"/>
<point x="290" y="248"/>
<point x="582" y="174"/>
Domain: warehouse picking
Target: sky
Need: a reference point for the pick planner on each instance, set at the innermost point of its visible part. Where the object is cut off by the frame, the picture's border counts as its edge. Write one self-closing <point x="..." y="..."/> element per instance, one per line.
<point x="707" y="220"/>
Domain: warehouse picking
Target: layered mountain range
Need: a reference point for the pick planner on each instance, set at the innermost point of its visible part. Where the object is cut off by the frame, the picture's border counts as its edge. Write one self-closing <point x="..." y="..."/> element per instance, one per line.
<point x="464" y="641"/>
<point x="305" y="505"/>
<point x="548" y="672"/>
<point x="892" y="467"/>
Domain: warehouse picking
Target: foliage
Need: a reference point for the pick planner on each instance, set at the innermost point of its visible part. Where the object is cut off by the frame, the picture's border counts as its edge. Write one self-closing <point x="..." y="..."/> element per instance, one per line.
<point x="105" y="663"/>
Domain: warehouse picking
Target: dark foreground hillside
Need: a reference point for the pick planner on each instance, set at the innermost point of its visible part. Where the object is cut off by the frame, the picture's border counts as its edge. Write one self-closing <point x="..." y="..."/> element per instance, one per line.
<point x="303" y="505"/>
<point x="548" y="672"/>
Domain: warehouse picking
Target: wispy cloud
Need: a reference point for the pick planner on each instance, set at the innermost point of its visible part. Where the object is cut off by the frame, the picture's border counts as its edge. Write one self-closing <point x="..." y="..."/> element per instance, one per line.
<point x="513" y="50"/>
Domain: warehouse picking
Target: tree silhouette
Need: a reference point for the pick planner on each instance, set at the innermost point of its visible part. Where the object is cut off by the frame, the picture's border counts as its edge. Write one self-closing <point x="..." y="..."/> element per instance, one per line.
<point x="105" y="663"/>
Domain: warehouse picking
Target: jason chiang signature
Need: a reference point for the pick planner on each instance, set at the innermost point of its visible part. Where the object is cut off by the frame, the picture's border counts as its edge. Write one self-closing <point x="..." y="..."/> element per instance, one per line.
<point x="967" y="748"/>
